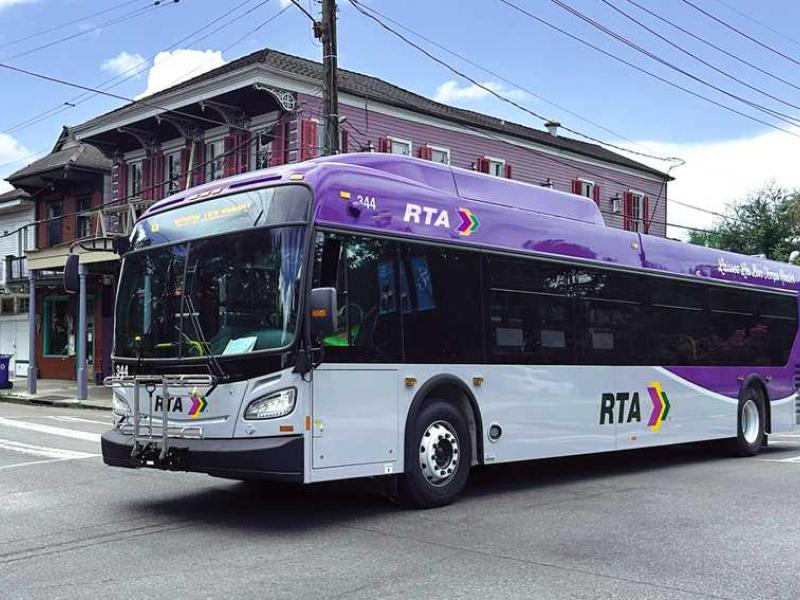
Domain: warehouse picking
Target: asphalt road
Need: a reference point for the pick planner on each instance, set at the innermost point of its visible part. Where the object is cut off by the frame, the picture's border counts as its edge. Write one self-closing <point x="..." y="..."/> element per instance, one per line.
<point x="681" y="522"/>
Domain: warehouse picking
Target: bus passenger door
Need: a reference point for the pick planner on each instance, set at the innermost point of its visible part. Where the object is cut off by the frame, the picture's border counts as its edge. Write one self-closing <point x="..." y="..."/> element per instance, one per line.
<point x="355" y="389"/>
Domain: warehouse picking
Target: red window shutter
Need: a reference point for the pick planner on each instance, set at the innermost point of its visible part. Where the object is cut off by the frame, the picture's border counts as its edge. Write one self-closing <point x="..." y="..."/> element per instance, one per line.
<point x="278" y="145"/>
<point x="482" y="164"/>
<point x="425" y="152"/>
<point x="183" y="167"/>
<point x="627" y="212"/>
<point x="508" y="171"/>
<point x="345" y="145"/>
<point x="596" y="194"/>
<point x="576" y="186"/>
<point x="199" y="170"/>
<point x="308" y="139"/>
<point x="384" y="145"/>
<point x="646" y="216"/>
<point x="120" y="184"/>
<point x="158" y="176"/>
<point x="147" y="183"/>
<point x="227" y="160"/>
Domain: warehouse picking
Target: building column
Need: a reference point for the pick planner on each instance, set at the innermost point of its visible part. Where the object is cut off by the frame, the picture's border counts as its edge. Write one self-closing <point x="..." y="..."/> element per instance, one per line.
<point x="83" y="389"/>
<point x="32" y="372"/>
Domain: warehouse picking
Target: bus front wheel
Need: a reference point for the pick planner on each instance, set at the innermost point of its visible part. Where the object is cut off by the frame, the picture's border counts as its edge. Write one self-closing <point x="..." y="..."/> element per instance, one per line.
<point x="750" y="428"/>
<point x="437" y="456"/>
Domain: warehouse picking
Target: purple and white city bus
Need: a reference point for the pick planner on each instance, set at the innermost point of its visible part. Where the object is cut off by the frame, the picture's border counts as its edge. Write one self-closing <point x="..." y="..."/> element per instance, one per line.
<point x="369" y="314"/>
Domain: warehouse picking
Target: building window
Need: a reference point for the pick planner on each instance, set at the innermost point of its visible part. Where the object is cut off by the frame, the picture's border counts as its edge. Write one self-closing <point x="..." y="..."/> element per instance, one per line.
<point x="172" y="172"/>
<point x="55" y="227"/>
<point x="23" y="303"/>
<point x="584" y="188"/>
<point x="134" y="180"/>
<point x="7" y="305"/>
<point x="496" y="167"/>
<point x="215" y="160"/>
<point x="83" y="218"/>
<point x="57" y="327"/>
<point x="440" y="155"/>
<point x="401" y="147"/>
<point x="263" y="149"/>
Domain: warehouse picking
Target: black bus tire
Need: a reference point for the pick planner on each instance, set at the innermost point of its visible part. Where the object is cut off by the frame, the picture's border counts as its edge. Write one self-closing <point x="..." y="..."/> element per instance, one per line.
<point x="438" y="451"/>
<point x="750" y="423"/>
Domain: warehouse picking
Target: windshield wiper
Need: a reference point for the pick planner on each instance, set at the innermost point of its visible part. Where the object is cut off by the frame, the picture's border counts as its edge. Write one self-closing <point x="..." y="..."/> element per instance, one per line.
<point x="195" y="320"/>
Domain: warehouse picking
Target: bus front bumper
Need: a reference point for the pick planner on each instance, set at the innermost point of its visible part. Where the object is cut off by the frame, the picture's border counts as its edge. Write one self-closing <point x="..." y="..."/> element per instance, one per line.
<point x="272" y="458"/>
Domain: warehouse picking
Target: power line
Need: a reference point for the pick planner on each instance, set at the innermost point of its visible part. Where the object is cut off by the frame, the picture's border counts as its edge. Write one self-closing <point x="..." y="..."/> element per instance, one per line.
<point x="154" y="5"/>
<point x="741" y="33"/>
<point x="304" y="11"/>
<point x="357" y="5"/>
<point x="41" y="32"/>
<point x="650" y="153"/>
<point x="764" y="25"/>
<point x="127" y="74"/>
<point x="698" y="58"/>
<point x="714" y="46"/>
<point x="645" y="71"/>
<point x="619" y="37"/>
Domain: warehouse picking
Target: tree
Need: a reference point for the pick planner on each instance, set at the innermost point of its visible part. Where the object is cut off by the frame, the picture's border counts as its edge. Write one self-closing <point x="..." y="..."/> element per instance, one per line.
<point x="766" y="222"/>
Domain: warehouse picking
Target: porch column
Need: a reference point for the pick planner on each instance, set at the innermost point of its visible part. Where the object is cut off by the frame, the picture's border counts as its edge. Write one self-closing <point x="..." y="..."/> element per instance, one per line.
<point x="83" y="390"/>
<point x="32" y="373"/>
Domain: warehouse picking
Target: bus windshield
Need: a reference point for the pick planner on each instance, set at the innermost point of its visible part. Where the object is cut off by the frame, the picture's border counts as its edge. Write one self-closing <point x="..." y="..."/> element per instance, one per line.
<point x="228" y="294"/>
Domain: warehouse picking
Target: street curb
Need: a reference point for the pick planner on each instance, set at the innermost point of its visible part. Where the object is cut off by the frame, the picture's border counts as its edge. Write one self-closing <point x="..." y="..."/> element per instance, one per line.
<point x="54" y="403"/>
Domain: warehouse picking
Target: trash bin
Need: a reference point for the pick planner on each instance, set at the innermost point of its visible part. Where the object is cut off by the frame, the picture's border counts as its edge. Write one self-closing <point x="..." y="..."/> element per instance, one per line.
<point x="5" y="380"/>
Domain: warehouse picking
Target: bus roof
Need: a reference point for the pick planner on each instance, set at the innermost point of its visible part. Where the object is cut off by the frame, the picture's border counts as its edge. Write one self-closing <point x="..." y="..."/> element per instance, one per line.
<point x="398" y="195"/>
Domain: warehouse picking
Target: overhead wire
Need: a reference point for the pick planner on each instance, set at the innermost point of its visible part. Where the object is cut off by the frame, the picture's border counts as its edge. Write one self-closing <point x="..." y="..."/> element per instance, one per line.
<point x="788" y="119"/>
<point x="701" y="60"/>
<point x="645" y="71"/>
<point x="743" y="34"/>
<point x="495" y="74"/>
<point x="486" y="88"/>
<point x="703" y="40"/>
<point x="154" y="5"/>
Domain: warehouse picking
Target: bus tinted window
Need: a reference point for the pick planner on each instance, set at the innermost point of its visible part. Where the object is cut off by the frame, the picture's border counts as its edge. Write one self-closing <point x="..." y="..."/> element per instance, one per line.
<point x="677" y="323"/>
<point x="530" y="313"/>
<point x="440" y="297"/>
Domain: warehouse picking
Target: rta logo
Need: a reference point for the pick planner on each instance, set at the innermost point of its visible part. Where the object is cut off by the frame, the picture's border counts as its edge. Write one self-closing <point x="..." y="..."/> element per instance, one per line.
<point x="624" y="407"/>
<point x="613" y="408"/>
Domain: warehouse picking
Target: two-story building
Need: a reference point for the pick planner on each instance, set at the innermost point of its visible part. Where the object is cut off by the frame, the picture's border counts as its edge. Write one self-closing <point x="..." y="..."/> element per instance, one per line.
<point x="68" y="186"/>
<point x="17" y="236"/>
<point x="266" y="109"/>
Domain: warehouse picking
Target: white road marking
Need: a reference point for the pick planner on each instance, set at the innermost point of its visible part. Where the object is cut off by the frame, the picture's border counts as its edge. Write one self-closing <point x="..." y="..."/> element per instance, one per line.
<point x="43" y="451"/>
<point x="70" y="433"/>
<point x="79" y="420"/>
<point x="45" y="462"/>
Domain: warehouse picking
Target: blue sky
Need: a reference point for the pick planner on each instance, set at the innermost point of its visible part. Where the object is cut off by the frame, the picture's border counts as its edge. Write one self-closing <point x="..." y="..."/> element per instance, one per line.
<point x="487" y="32"/>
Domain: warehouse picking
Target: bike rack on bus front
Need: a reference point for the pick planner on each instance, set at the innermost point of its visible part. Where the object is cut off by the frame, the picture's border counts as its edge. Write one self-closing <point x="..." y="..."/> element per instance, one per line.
<point x="151" y="382"/>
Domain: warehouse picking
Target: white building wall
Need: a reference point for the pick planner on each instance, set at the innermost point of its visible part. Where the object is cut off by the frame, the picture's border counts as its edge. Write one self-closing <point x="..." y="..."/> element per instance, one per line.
<point x="10" y="244"/>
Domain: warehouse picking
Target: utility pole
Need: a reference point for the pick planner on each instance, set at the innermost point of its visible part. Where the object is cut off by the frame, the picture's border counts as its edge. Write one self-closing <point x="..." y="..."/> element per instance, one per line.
<point x="330" y="85"/>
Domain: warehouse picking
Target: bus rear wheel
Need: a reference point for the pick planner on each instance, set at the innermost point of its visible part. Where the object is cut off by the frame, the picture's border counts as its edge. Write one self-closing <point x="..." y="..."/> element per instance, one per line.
<point x="750" y="429"/>
<point x="437" y="456"/>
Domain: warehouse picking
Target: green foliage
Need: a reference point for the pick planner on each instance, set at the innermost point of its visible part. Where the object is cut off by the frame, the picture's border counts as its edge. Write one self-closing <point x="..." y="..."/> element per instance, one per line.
<point x="766" y="222"/>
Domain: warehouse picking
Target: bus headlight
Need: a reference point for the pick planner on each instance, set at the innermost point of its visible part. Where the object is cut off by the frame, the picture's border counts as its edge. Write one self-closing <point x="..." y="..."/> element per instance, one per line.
<point x="120" y="406"/>
<point x="277" y="404"/>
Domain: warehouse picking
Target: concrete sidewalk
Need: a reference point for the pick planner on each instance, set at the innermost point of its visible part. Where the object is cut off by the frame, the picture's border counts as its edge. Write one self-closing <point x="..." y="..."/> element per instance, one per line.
<point x="57" y="392"/>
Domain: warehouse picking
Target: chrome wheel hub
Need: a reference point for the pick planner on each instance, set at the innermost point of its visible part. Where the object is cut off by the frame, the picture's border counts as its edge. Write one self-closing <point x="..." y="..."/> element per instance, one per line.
<point x="439" y="453"/>
<point x="750" y="422"/>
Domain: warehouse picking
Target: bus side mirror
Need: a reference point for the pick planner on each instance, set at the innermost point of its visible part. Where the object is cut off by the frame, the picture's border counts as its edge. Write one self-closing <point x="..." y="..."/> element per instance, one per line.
<point x="71" y="281"/>
<point x="121" y="245"/>
<point x="323" y="312"/>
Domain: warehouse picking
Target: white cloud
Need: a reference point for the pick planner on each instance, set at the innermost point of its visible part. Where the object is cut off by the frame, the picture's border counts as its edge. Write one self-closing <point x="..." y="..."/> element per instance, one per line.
<point x="12" y="155"/>
<point x="451" y="92"/>
<point x="717" y="173"/>
<point x="124" y="63"/>
<point x="171" y="68"/>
